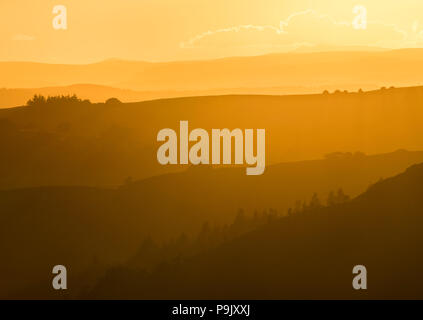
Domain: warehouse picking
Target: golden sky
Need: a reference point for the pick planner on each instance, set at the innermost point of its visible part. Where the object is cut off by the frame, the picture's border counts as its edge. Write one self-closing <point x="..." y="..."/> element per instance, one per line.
<point x="164" y="30"/>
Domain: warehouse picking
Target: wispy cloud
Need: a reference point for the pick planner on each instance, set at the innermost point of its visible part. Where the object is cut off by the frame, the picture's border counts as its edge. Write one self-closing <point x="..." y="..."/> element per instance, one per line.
<point x="309" y="27"/>
<point x="22" y="37"/>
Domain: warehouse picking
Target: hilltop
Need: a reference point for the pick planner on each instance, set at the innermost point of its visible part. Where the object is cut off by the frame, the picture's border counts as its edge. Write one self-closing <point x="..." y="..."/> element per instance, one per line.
<point x="104" y="144"/>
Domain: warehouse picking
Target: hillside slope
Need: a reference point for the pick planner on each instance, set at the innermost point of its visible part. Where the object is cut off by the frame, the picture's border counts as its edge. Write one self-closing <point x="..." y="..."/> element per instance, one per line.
<point x="339" y="69"/>
<point x="103" y="144"/>
<point x="305" y="256"/>
<point x="89" y="228"/>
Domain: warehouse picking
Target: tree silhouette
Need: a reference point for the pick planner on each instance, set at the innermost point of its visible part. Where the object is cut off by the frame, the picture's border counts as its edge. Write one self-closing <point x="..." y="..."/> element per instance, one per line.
<point x="341" y="197"/>
<point x="297" y="208"/>
<point x="39" y="100"/>
<point x="315" y="202"/>
<point x="331" y="199"/>
<point x="290" y="212"/>
<point x="113" y="101"/>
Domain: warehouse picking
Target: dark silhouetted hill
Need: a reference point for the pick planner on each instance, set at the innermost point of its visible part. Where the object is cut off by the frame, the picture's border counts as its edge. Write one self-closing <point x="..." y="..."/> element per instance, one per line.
<point x="90" y="228"/>
<point x="309" y="255"/>
<point x="103" y="144"/>
<point x="59" y="156"/>
<point x="12" y="97"/>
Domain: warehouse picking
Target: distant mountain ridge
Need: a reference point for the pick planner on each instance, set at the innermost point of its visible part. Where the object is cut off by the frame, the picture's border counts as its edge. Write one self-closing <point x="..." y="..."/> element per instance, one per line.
<point x="345" y="70"/>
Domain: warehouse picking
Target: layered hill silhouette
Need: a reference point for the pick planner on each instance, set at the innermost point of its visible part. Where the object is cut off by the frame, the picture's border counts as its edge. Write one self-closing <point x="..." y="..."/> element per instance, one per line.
<point x="308" y="255"/>
<point x="90" y="228"/>
<point x="99" y="93"/>
<point x="81" y="186"/>
<point x="95" y="93"/>
<point x="103" y="144"/>
<point x="345" y="70"/>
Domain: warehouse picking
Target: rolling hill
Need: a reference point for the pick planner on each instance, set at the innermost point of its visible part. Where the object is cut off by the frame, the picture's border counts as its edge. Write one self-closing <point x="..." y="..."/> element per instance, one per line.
<point x="340" y="69"/>
<point x="99" y="93"/>
<point x="104" y="144"/>
<point x="63" y="166"/>
<point x="309" y="255"/>
<point x="91" y="228"/>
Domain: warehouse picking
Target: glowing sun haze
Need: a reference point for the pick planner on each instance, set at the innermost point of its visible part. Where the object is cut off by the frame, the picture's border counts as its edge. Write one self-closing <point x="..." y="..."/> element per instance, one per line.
<point x="164" y="30"/>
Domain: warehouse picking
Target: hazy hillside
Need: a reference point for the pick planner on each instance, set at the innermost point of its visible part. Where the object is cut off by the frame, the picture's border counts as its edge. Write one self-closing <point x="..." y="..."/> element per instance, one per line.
<point x="75" y="149"/>
<point x="95" y="93"/>
<point x="99" y="93"/>
<point x="103" y="144"/>
<point x="345" y="70"/>
<point x="381" y="229"/>
<point x="89" y="228"/>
